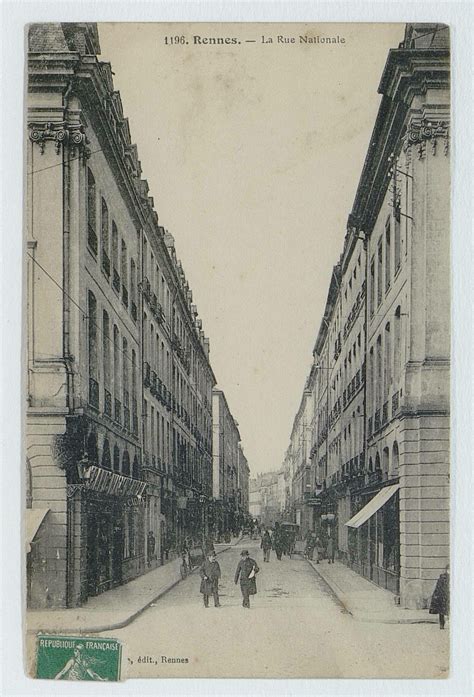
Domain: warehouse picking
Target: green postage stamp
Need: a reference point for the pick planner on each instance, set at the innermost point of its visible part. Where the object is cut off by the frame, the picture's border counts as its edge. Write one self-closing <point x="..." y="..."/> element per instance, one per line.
<point x="78" y="658"/>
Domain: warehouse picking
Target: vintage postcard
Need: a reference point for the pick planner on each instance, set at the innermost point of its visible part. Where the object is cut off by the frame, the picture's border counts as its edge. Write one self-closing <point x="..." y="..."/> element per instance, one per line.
<point x="237" y="350"/>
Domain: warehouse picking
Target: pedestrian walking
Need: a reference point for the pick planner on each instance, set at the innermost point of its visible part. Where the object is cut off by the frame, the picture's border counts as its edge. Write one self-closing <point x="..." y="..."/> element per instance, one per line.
<point x="210" y="573"/>
<point x="247" y="569"/>
<point x="310" y="544"/>
<point x="278" y="541"/>
<point x="319" y="550"/>
<point x="440" y="599"/>
<point x="150" y="547"/>
<point x="330" y="550"/>
<point x="266" y="545"/>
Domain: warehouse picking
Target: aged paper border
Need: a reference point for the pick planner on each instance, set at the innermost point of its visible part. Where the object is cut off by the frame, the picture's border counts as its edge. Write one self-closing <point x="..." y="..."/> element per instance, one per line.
<point x="459" y="16"/>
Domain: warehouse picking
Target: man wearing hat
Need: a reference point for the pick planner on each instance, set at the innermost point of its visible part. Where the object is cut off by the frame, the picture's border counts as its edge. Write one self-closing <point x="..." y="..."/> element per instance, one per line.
<point x="247" y="569"/>
<point x="210" y="573"/>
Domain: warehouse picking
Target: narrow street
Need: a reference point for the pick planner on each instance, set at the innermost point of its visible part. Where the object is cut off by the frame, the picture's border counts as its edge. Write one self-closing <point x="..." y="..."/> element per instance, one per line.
<point x="316" y="637"/>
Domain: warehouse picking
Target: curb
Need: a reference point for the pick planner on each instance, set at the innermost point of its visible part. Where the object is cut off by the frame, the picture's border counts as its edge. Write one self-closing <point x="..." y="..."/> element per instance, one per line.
<point x="357" y="617"/>
<point x="127" y="620"/>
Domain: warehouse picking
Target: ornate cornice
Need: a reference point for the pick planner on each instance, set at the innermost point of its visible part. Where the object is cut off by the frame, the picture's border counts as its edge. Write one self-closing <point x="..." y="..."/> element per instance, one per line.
<point x="421" y="131"/>
<point x="59" y="133"/>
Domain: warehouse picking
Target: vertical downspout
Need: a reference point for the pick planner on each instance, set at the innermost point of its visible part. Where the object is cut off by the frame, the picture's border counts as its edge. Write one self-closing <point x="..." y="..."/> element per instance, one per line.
<point x="66" y="263"/>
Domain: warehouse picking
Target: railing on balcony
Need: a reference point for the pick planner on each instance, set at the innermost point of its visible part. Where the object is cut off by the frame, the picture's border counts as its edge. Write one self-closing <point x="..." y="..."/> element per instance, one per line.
<point x="105" y="263"/>
<point x="92" y="238"/>
<point x="107" y="403"/>
<point x="93" y="393"/>
<point x="118" y="411"/>
<point x="395" y="402"/>
<point x="116" y="280"/>
<point x="385" y="413"/>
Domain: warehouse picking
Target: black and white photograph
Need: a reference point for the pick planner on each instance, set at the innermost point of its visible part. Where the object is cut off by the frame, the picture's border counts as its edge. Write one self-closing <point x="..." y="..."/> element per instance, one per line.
<point x="237" y="342"/>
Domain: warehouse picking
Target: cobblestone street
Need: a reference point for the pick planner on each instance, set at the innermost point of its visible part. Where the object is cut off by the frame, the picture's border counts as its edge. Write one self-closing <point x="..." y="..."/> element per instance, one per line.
<point x="316" y="637"/>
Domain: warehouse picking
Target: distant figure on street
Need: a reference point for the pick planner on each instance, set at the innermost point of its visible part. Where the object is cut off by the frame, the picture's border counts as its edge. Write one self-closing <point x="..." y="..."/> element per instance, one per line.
<point x="330" y="550"/>
<point x="440" y="599"/>
<point x="210" y="573"/>
<point x="319" y="550"/>
<point x="278" y="541"/>
<point x="310" y="544"/>
<point x="150" y="547"/>
<point x="247" y="569"/>
<point x="266" y="545"/>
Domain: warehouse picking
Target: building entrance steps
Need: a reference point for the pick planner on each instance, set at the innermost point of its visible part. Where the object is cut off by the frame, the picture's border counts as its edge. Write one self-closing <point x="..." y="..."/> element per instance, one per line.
<point x="365" y="601"/>
<point x="115" y="608"/>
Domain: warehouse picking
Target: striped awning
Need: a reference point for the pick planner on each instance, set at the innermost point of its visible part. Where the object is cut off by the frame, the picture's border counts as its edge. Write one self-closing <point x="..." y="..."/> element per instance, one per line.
<point x="113" y="484"/>
<point x="373" y="506"/>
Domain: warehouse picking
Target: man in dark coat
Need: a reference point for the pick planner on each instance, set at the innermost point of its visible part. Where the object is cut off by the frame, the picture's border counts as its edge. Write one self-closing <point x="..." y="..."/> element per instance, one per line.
<point x="278" y="541"/>
<point x="440" y="598"/>
<point x="266" y="545"/>
<point x="210" y="573"/>
<point x="247" y="569"/>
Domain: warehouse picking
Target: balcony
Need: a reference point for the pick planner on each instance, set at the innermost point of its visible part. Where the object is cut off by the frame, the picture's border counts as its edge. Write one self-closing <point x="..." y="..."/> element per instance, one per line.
<point x="118" y="411"/>
<point x="116" y="280"/>
<point x="105" y="263"/>
<point x="395" y="402"/>
<point x="93" y="393"/>
<point x="125" y="296"/>
<point x="92" y="239"/>
<point x="107" y="403"/>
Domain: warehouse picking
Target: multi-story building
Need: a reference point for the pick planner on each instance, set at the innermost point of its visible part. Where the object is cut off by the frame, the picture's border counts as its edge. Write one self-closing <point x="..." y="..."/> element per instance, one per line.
<point x="119" y="382"/>
<point x="243" y="476"/>
<point x="225" y="456"/>
<point x="380" y="441"/>
<point x="264" y="498"/>
<point x="300" y="447"/>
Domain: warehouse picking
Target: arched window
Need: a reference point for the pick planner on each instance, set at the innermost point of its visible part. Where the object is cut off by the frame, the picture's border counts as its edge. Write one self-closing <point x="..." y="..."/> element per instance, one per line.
<point x="116" y="459"/>
<point x="106" y="349"/>
<point x="386" y="461"/>
<point x="377" y="463"/>
<point x="395" y="459"/>
<point x="104" y="231"/>
<point x="126" y="464"/>
<point x="106" y="461"/>
<point x="91" y="212"/>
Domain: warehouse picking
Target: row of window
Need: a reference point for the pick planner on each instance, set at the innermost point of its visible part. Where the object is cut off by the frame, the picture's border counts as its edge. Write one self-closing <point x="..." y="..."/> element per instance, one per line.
<point x="385" y="263"/>
<point x="113" y="252"/>
<point x="385" y="361"/>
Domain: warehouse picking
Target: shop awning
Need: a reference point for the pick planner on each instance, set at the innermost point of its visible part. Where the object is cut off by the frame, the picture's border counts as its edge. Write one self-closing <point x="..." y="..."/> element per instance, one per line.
<point x="34" y="518"/>
<point x="373" y="506"/>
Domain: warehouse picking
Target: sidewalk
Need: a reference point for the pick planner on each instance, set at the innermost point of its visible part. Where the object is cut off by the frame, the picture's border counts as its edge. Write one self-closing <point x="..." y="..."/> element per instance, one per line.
<point x="115" y="608"/>
<point x="365" y="601"/>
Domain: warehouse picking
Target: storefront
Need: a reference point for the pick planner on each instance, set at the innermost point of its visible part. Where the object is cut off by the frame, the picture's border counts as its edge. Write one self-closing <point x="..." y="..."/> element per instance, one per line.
<point x="374" y="537"/>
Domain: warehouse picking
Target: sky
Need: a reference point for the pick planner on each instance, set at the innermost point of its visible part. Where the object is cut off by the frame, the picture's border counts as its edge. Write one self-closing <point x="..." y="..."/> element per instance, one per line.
<point x="253" y="152"/>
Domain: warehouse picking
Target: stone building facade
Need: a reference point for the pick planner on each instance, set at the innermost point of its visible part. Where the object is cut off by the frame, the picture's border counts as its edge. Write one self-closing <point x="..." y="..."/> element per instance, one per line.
<point x="380" y="380"/>
<point x="225" y="473"/>
<point x="119" y="384"/>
